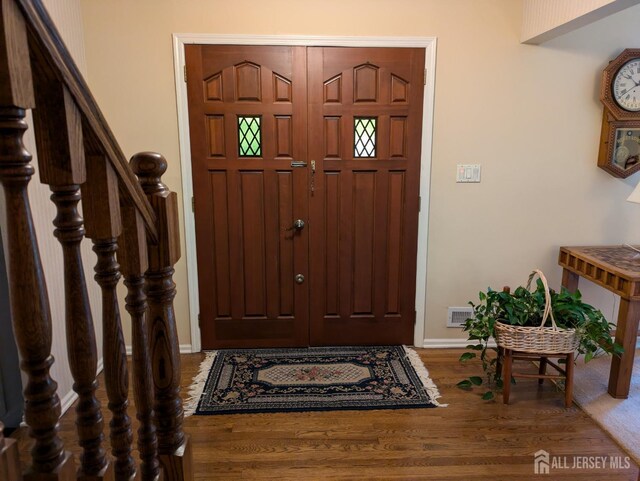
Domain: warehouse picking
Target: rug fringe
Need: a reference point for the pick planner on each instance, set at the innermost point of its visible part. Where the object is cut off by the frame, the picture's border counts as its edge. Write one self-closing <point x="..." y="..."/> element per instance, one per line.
<point x="198" y="383"/>
<point x="423" y="374"/>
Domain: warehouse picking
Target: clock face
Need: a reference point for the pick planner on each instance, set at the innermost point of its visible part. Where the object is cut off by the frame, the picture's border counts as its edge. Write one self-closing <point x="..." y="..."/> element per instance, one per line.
<point x="626" y="86"/>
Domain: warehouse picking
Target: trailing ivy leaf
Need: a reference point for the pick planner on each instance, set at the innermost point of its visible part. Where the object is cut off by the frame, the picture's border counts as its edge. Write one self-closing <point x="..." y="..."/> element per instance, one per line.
<point x="466" y="384"/>
<point x="487" y="396"/>
<point x="477" y="380"/>
<point x="475" y="347"/>
<point x="467" y="355"/>
<point x="588" y="356"/>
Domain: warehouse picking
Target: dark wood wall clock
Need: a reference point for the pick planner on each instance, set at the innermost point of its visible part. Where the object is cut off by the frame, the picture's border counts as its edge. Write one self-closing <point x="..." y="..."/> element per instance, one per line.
<point x="620" y="93"/>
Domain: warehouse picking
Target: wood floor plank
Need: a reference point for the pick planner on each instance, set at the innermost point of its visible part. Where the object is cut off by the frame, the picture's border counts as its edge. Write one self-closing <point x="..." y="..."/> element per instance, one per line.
<point x="470" y="439"/>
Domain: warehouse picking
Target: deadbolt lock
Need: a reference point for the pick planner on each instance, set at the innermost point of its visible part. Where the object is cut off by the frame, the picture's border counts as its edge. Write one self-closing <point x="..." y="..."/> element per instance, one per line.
<point x="299" y="278"/>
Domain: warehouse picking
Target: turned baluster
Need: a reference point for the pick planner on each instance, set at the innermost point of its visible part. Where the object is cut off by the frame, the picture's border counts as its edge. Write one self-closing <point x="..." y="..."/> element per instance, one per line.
<point x="100" y="201"/>
<point x="133" y="259"/>
<point x="173" y="445"/>
<point x="27" y="288"/>
<point x="61" y="160"/>
<point x="30" y="306"/>
<point x="9" y="458"/>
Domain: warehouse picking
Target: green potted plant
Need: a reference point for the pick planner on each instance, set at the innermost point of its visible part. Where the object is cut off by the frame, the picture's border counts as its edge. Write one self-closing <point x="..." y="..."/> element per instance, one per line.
<point x="526" y="308"/>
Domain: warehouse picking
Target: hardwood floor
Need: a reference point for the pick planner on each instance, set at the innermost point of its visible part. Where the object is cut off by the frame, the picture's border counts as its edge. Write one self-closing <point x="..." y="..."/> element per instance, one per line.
<point x="470" y="439"/>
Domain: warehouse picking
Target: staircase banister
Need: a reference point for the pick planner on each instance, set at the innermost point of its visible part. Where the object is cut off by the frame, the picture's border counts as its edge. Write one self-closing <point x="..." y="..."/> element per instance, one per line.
<point x="48" y="40"/>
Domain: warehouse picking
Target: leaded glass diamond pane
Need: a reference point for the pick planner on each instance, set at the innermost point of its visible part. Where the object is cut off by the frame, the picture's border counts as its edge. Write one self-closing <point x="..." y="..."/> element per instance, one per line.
<point x="365" y="137"/>
<point x="249" y="137"/>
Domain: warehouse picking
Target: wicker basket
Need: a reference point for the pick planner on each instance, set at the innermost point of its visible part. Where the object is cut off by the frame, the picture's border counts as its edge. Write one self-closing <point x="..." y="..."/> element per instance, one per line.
<point x="548" y="340"/>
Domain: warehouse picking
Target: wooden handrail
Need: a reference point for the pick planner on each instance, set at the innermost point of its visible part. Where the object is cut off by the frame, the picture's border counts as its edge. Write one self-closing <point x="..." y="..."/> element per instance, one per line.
<point x="44" y="36"/>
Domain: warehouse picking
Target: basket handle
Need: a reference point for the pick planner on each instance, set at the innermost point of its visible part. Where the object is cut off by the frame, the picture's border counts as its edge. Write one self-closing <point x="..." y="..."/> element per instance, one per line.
<point x="548" y="312"/>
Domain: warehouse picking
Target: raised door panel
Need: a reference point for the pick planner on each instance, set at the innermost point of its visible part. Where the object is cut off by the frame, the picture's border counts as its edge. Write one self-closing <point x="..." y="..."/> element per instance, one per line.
<point x="366" y="115"/>
<point x="245" y="132"/>
<point x="253" y="241"/>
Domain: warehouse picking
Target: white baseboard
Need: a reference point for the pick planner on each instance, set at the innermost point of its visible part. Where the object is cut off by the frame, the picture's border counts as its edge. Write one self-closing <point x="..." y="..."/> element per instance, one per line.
<point x="184" y="349"/>
<point x="67" y="401"/>
<point x="450" y="343"/>
<point x="100" y="366"/>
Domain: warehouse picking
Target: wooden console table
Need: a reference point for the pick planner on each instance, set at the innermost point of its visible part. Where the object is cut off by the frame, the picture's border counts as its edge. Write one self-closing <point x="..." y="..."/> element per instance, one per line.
<point x="616" y="268"/>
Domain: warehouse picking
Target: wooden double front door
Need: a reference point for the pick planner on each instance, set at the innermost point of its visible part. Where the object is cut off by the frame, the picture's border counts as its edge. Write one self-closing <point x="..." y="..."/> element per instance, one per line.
<point x="306" y="165"/>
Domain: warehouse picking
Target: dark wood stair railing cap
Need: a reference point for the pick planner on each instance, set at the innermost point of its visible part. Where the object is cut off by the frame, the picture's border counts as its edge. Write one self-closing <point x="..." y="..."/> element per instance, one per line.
<point x="150" y="167"/>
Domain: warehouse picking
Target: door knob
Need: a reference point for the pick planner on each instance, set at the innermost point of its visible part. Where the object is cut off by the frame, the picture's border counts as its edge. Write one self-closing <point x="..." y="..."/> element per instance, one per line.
<point x="298" y="224"/>
<point x="299" y="278"/>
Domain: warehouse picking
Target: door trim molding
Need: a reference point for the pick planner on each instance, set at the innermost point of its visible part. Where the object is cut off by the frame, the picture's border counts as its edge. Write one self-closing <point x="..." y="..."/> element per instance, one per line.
<point x="428" y="43"/>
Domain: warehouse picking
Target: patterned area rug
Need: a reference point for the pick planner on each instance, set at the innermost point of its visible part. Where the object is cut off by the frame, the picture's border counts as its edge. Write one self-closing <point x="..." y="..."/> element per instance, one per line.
<point x="311" y="379"/>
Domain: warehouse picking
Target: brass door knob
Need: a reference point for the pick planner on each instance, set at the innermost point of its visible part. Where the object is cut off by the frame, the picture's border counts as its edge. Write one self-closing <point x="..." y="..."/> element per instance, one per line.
<point x="299" y="278"/>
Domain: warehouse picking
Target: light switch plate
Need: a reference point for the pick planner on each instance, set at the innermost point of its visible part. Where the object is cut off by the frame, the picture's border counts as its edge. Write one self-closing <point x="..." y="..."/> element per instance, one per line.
<point x="467" y="173"/>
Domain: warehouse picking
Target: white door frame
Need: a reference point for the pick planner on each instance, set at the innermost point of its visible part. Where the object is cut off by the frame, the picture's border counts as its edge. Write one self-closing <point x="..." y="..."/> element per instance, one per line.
<point x="428" y="43"/>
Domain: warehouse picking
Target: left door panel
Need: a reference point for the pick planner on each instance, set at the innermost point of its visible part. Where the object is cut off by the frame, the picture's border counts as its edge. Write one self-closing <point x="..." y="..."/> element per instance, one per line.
<point x="247" y="123"/>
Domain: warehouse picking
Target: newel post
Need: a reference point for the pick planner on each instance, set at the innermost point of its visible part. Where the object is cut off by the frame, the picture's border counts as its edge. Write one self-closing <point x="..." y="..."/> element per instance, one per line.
<point x="173" y="445"/>
<point x="27" y="288"/>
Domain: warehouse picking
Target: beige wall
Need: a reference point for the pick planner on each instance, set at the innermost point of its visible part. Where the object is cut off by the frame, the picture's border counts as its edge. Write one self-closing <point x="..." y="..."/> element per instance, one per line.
<point x="529" y="114"/>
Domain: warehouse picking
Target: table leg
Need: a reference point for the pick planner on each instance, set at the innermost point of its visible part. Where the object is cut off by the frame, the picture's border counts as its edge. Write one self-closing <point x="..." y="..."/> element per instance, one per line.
<point x="570" y="280"/>
<point x="626" y="335"/>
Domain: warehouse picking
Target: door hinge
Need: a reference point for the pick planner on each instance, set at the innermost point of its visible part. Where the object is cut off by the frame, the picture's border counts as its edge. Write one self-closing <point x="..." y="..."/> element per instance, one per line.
<point x="185" y="73"/>
<point x="425" y="76"/>
<point x="193" y="204"/>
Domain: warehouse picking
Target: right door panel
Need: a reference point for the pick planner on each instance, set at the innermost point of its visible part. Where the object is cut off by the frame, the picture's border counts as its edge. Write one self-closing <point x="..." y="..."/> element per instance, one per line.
<point x="365" y="121"/>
